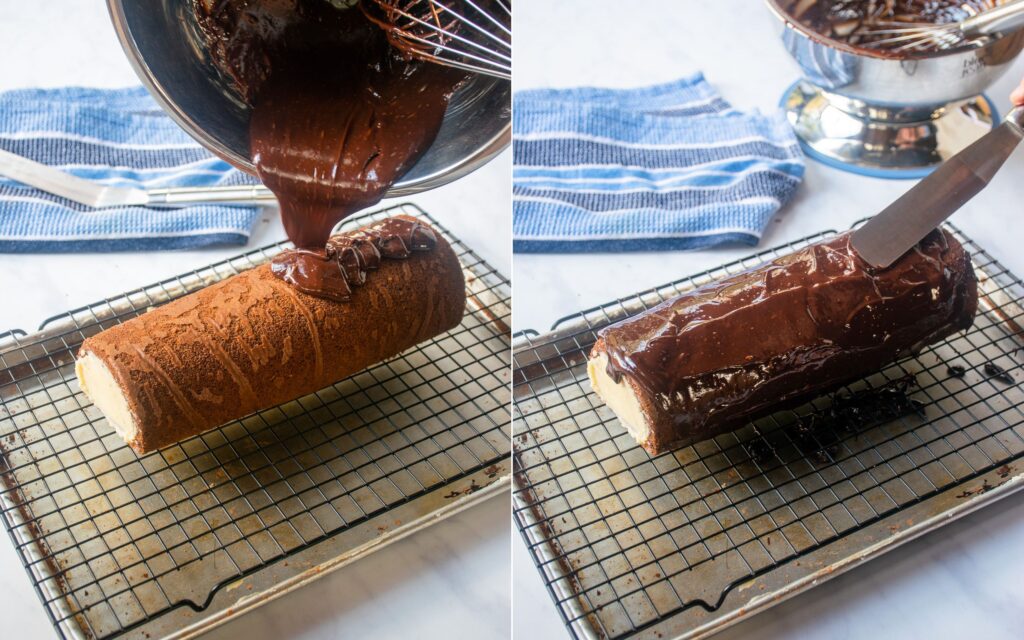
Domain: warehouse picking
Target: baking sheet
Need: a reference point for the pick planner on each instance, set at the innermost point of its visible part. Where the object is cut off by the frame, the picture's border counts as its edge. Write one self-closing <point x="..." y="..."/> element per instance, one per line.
<point x="169" y="544"/>
<point x="688" y="542"/>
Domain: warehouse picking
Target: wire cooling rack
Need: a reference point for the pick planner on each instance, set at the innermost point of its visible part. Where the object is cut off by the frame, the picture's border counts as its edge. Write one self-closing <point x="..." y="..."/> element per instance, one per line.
<point x="688" y="542"/>
<point x="176" y="541"/>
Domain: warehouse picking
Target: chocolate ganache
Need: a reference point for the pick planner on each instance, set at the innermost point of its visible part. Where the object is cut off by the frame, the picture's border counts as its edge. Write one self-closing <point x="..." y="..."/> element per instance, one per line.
<point x="338" y="113"/>
<point x="714" y="358"/>
<point x="334" y="271"/>
<point x="853" y="21"/>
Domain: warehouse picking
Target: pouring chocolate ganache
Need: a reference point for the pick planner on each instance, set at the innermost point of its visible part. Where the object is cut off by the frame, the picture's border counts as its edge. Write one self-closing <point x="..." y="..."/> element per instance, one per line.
<point x="338" y="115"/>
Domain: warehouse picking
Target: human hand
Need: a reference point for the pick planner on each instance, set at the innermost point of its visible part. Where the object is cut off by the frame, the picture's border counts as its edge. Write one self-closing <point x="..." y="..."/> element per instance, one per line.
<point x="1017" y="97"/>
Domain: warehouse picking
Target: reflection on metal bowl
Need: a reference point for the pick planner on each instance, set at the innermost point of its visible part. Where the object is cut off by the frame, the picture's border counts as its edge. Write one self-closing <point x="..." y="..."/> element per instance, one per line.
<point x="874" y="113"/>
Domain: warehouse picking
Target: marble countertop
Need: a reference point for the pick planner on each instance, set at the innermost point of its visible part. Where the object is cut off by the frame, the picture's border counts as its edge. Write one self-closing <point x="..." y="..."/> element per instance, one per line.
<point x="960" y="581"/>
<point x="450" y="580"/>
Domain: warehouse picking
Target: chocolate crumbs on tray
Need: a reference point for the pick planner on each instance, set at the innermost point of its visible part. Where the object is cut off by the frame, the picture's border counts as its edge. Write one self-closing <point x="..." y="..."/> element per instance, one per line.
<point x="817" y="434"/>
<point x="994" y="371"/>
<point x="759" y="450"/>
<point x="984" y="488"/>
<point x="472" y="488"/>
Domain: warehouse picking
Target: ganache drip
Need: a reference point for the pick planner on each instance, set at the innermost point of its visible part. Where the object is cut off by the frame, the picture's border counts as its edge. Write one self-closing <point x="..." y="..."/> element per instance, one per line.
<point x="332" y="273"/>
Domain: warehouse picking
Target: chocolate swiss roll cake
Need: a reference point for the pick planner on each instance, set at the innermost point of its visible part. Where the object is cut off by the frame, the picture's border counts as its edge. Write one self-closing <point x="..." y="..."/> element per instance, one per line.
<point x="273" y="333"/>
<point x="804" y="324"/>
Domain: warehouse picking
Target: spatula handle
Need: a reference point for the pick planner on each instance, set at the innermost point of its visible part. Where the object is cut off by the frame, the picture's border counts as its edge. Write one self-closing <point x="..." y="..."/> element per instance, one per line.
<point x="182" y="196"/>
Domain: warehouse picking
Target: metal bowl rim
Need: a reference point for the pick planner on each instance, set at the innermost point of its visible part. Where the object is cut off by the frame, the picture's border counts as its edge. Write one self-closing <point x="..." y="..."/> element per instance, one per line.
<point x="817" y="38"/>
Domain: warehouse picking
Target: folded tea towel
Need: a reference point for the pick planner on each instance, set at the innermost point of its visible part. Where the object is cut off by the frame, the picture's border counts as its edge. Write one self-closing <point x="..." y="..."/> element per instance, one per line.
<point x="118" y="137"/>
<point x="671" y="166"/>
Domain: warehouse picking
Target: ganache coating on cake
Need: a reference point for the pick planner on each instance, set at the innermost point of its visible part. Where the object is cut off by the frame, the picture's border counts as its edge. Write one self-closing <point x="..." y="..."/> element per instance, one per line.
<point x="802" y="324"/>
<point x="344" y="264"/>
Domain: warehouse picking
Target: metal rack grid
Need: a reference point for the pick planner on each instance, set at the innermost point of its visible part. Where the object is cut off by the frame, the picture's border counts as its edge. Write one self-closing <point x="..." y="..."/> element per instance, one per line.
<point x="688" y="542"/>
<point x="118" y="544"/>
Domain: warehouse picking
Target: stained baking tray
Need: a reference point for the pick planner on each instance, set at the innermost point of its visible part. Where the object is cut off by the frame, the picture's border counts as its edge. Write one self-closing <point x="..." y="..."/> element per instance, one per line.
<point x="686" y="543"/>
<point x="174" y="542"/>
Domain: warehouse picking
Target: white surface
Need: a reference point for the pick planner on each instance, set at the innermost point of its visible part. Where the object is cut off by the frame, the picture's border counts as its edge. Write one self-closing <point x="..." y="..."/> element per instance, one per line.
<point x="963" y="581"/>
<point x="451" y="580"/>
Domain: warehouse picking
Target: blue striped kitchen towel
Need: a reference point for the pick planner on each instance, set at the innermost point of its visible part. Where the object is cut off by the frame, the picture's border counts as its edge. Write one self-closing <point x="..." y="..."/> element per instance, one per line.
<point x="672" y="166"/>
<point x="118" y="137"/>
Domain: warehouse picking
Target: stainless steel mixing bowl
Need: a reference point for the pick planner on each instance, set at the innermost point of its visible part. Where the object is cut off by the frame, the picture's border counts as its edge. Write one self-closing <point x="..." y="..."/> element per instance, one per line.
<point x="164" y="45"/>
<point x="880" y="115"/>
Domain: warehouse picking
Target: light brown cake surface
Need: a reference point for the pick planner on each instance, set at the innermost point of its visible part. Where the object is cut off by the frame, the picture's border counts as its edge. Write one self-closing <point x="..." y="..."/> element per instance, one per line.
<point x="254" y="341"/>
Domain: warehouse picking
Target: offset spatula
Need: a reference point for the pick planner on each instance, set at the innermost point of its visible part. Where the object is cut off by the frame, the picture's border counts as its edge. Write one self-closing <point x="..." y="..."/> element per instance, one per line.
<point x="99" y="196"/>
<point x="901" y="225"/>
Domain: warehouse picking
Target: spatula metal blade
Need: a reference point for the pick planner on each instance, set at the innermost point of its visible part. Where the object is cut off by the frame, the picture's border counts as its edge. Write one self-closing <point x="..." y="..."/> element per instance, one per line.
<point x="901" y="225"/>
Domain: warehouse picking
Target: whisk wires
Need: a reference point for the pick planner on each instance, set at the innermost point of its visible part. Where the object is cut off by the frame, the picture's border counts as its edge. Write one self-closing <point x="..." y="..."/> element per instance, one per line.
<point x="910" y="34"/>
<point x="473" y="35"/>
